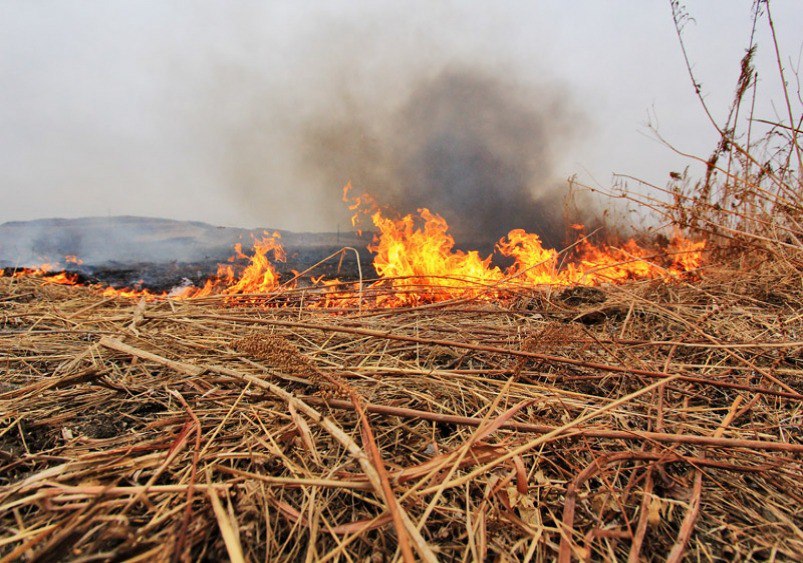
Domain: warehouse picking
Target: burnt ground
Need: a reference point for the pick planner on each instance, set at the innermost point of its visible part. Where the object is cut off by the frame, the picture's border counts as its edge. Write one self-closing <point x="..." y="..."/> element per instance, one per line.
<point x="159" y="254"/>
<point x="163" y="276"/>
<point x="160" y="276"/>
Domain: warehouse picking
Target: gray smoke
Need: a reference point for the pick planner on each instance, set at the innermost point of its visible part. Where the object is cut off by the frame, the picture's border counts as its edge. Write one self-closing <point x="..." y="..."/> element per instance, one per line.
<point x="413" y="112"/>
<point x="468" y="144"/>
<point x="257" y="113"/>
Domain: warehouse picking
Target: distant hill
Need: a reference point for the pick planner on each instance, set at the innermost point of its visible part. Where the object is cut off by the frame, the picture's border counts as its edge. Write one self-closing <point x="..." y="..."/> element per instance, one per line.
<point x="129" y="240"/>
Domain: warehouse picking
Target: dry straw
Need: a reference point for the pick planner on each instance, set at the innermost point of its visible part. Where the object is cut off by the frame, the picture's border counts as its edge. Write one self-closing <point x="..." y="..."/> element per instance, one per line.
<point x="671" y="422"/>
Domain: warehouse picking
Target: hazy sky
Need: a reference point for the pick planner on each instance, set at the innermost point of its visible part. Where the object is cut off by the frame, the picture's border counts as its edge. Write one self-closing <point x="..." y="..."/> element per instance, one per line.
<point x="253" y="113"/>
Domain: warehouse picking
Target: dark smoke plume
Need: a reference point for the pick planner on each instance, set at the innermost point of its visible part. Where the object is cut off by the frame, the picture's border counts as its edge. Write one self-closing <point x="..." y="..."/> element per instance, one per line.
<point x="416" y="113"/>
<point x="472" y="146"/>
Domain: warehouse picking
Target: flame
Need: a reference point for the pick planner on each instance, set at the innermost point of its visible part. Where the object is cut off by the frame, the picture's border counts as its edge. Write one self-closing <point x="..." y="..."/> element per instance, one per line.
<point x="424" y="259"/>
<point x="62" y="278"/>
<point x="49" y="274"/>
<point x="417" y="258"/>
<point x="260" y="276"/>
<point x="363" y="204"/>
<point x="40" y="270"/>
<point x="604" y="263"/>
<point x="336" y="294"/>
<point x="687" y="255"/>
<point x="533" y="264"/>
<point x="129" y="292"/>
<point x="417" y="262"/>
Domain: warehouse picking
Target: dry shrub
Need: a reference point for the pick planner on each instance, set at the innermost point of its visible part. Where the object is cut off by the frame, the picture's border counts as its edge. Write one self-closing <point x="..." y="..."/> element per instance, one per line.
<point x="748" y="204"/>
<point x="751" y="196"/>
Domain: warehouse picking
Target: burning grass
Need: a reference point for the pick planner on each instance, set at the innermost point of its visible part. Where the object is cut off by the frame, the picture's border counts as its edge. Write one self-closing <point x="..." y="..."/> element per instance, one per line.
<point x="416" y="261"/>
<point x="630" y="420"/>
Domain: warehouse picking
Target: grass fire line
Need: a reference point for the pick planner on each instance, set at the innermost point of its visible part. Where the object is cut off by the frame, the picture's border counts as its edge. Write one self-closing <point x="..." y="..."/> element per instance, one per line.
<point x="417" y="263"/>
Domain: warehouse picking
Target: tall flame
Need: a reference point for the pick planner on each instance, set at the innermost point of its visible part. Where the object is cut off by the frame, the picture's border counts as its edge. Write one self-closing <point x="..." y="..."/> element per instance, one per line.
<point x="533" y="264"/>
<point x="424" y="259"/>
<point x="416" y="256"/>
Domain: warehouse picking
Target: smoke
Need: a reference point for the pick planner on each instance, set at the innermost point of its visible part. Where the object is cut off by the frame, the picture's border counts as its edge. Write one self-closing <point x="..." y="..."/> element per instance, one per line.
<point x="469" y="144"/>
<point x="417" y="114"/>
<point x="121" y="240"/>
<point x="256" y="114"/>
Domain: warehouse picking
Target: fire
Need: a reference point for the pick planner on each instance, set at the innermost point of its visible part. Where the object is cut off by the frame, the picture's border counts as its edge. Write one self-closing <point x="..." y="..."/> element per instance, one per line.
<point x="416" y="257"/>
<point x="417" y="261"/>
<point x="424" y="259"/>
<point x="48" y="272"/>
<point x="62" y="278"/>
<point x="601" y="264"/>
<point x="40" y="270"/>
<point x="259" y="276"/>
<point x="128" y="292"/>
<point x="364" y="204"/>
<point x="687" y="255"/>
<point x="533" y="264"/>
<point x="336" y="294"/>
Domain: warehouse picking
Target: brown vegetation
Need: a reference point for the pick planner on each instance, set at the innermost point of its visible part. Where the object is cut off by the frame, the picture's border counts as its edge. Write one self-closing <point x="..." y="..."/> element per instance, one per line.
<point x="668" y="414"/>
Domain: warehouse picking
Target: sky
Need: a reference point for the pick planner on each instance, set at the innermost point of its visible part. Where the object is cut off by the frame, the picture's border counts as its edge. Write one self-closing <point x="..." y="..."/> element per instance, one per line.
<point x="257" y="113"/>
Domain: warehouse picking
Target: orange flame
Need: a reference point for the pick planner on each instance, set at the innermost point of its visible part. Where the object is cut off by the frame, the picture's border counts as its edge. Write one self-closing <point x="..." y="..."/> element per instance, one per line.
<point x="128" y="292"/>
<point x="259" y="276"/>
<point x="62" y="278"/>
<point x="421" y="264"/>
<point x="687" y="255"/>
<point x="417" y="262"/>
<point x="533" y="264"/>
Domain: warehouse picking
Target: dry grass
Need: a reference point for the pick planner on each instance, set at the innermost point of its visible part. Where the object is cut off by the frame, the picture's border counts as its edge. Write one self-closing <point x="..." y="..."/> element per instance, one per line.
<point x="664" y="420"/>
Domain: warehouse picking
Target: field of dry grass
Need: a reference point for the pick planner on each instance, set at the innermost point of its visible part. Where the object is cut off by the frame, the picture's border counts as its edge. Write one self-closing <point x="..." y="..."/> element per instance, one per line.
<point x="633" y="421"/>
